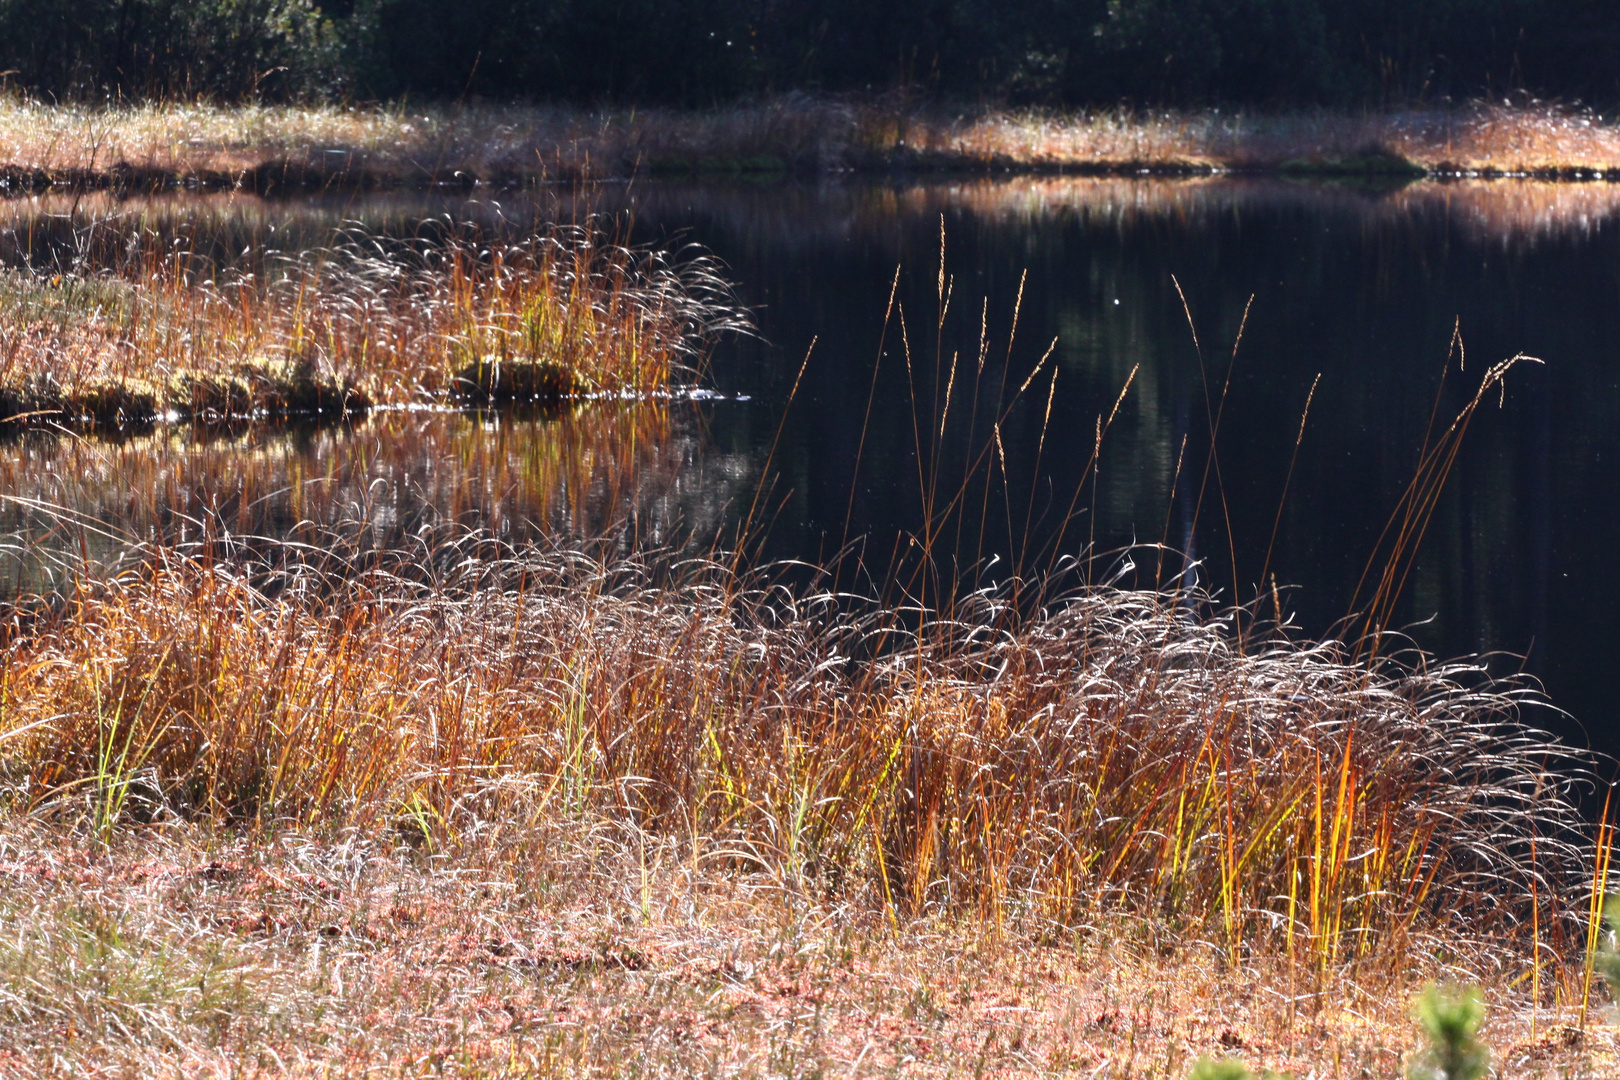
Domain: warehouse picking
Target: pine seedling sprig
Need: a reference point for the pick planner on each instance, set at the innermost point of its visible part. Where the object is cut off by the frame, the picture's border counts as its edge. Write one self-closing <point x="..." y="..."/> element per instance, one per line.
<point x="1450" y="1018"/>
<point x="1606" y="958"/>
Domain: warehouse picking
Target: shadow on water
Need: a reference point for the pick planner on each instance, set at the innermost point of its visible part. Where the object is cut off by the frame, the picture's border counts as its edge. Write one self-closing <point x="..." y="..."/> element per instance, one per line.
<point x="1362" y="286"/>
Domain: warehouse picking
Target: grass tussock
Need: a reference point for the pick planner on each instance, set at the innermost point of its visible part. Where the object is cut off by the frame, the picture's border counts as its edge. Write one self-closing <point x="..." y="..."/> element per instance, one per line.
<point x="1109" y="754"/>
<point x="266" y="147"/>
<point x="131" y="335"/>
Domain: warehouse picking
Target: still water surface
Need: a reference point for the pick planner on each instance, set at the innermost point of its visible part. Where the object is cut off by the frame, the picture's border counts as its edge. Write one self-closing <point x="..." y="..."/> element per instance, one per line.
<point x="1362" y="287"/>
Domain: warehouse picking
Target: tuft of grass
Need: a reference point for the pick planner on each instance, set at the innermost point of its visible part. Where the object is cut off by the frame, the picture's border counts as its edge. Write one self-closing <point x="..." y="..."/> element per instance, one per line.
<point x="1219" y="1069"/>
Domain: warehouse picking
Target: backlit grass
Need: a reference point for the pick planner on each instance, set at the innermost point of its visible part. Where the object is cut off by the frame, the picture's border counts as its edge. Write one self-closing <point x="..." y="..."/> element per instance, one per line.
<point x="114" y="334"/>
<point x="1106" y="770"/>
<point x="1109" y="750"/>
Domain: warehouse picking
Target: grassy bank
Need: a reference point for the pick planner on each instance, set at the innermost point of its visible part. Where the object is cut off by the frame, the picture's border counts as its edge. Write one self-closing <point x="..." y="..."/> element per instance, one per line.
<point x="122" y="330"/>
<point x="583" y="810"/>
<point x="267" y="148"/>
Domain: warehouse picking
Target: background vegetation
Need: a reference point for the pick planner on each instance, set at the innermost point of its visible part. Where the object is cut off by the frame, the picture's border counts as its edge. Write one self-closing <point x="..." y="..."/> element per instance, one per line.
<point x="1182" y="52"/>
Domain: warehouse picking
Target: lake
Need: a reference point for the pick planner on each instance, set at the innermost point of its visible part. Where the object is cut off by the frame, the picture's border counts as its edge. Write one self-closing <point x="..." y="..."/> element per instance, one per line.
<point x="1357" y="290"/>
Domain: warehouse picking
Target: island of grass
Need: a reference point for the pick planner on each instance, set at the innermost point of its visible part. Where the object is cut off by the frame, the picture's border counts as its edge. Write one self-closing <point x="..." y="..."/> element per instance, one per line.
<point x="448" y="318"/>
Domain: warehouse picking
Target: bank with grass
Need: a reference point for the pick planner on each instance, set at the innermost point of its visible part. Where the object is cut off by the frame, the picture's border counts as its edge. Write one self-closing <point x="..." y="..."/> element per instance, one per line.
<point x="284" y="148"/>
<point x="141" y="334"/>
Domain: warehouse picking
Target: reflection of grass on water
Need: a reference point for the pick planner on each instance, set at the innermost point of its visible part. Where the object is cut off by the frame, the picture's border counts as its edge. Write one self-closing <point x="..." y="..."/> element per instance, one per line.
<point x="582" y="471"/>
<point x="328" y="332"/>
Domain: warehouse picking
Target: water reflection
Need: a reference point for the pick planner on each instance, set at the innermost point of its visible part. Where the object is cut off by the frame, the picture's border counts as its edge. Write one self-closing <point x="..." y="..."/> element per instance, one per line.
<point x="1362" y="286"/>
<point x="638" y="472"/>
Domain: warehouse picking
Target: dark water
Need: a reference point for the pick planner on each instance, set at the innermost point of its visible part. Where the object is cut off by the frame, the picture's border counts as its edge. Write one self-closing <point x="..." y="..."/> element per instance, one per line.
<point x="1362" y="287"/>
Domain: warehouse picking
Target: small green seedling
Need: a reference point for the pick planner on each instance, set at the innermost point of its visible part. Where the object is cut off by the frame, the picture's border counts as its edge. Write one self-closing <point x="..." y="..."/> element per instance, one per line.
<point x="1219" y="1069"/>
<point x="1450" y="1018"/>
<point x="1606" y="960"/>
<point x="1230" y="1069"/>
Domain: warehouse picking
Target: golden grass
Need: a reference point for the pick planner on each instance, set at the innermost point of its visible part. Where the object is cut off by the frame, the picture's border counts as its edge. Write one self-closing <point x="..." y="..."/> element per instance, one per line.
<point x="131" y="336"/>
<point x="280" y="145"/>
<point x="1107" y="751"/>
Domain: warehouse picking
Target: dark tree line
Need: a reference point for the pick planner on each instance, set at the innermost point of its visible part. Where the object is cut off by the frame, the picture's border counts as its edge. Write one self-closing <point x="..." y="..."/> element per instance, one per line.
<point x="1343" y="52"/>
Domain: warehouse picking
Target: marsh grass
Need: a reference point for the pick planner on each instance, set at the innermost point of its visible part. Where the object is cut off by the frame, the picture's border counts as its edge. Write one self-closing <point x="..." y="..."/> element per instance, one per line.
<point x="631" y="754"/>
<point x="598" y="807"/>
<point x="1104" y="753"/>
<point x="121" y="331"/>
<point x="266" y="148"/>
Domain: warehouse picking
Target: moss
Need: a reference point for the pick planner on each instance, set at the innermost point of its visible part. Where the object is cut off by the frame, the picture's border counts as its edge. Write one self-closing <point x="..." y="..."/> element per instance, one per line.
<point x="273" y="389"/>
<point x="493" y="379"/>
<point x="1368" y="161"/>
<point x="115" y="404"/>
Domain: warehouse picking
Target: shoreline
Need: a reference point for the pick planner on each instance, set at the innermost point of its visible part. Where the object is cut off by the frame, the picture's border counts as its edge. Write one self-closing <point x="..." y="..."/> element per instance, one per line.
<point x="284" y="176"/>
<point x="264" y="149"/>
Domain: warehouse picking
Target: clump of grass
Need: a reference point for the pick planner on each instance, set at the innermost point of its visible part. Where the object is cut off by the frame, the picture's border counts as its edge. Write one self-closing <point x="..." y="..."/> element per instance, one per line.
<point x="450" y="314"/>
<point x="1104" y="753"/>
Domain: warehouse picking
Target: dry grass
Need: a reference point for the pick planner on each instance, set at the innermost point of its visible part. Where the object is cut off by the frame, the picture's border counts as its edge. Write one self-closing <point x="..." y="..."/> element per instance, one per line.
<point x="123" y="331"/>
<point x="573" y="948"/>
<point x="262" y="146"/>
<point x="1481" y="139"/>
<point x="1109" y="752"/>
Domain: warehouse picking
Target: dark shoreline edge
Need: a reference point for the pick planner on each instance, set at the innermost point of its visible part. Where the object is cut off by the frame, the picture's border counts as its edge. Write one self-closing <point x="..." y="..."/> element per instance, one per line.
<point x="291" y="175"/>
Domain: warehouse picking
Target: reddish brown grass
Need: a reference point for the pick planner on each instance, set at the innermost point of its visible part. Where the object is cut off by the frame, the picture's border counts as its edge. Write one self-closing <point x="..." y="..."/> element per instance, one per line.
<point x="1109" y="753"/>
<point x="128" y="336"/>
